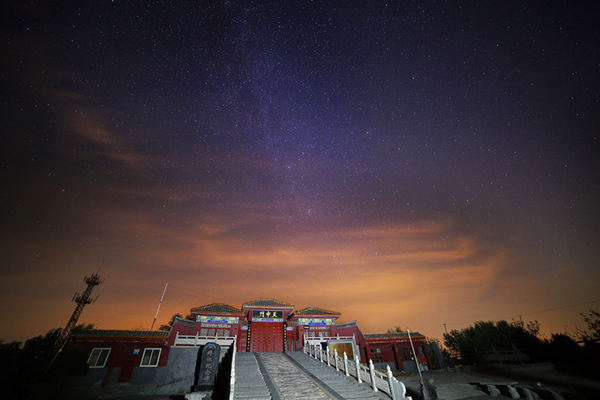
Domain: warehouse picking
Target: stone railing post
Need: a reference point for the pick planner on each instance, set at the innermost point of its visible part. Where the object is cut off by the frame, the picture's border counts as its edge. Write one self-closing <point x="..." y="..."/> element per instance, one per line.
<point x="321" y="353"/>
<point x="232" y="372"/>
<point x="336" y="360"/>
<point x="372" y="371"/>
<point x="357" y="369"/>
<point x="493" y="391"/>
<point x="391" y="378"/>
<point x="346" y="364"/>
<point x="328" y="360"/>
<point x="196" y="340"/>
<point x="513" y="392"/>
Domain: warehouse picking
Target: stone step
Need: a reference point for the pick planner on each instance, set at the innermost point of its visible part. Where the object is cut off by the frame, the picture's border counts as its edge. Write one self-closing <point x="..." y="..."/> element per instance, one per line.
<point x="249" y="382"/>
<point x="294" y="376"/>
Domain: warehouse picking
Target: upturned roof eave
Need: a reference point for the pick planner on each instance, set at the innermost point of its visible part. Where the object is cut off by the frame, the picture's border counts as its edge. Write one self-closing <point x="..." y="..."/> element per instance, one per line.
<point x="325" y="313"/>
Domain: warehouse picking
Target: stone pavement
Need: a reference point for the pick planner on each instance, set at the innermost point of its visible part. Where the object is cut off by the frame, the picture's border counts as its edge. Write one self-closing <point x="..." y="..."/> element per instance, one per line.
<point x="249" y="382"/>
<point x="456" y="391"/>
<point x="337" y="383"/>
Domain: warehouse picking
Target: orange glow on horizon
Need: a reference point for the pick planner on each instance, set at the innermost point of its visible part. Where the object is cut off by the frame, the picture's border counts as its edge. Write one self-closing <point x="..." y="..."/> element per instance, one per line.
<point x="414" y="275"/>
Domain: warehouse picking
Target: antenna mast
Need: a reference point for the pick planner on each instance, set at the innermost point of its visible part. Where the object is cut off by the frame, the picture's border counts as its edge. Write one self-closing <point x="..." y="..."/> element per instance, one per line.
<point x="159" y="303"/>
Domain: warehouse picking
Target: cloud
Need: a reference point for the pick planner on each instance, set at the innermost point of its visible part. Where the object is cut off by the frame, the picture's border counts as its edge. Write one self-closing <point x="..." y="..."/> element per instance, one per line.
<point x="86" y="123"/>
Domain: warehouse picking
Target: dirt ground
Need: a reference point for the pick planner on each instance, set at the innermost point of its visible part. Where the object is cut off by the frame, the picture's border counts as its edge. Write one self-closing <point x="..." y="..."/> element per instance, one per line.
<point x="542" y="374"/>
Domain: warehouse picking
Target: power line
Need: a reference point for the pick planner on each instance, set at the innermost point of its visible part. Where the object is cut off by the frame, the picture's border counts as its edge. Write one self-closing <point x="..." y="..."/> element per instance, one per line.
<point x="561" y="307"/>
<point x="535" y="312"/>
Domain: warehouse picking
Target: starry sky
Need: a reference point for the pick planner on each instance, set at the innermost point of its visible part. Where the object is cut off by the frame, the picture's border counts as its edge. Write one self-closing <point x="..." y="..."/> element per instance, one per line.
<point x="407" y="163"/>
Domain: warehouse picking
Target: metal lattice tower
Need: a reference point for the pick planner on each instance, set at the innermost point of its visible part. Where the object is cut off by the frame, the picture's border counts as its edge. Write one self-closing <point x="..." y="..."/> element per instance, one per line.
<point x="82" y="300"/>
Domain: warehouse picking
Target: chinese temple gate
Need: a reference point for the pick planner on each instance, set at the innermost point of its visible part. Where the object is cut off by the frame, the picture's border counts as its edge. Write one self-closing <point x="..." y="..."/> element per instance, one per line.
<point x="265" y="325"/>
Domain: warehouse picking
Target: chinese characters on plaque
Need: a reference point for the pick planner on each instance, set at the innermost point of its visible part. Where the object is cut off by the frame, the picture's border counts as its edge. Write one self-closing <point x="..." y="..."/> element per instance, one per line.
<point x="267" y="316"/>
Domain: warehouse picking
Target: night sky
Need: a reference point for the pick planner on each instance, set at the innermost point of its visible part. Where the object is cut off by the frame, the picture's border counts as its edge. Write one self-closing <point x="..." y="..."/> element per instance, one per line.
<point x="404" y="163"/>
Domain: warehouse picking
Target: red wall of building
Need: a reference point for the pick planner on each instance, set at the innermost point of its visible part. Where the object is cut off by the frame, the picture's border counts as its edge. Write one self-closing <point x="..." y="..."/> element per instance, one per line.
<point x="122" y="352"/>
<point x="397" y="350"/>
<point x="349" y="330"/>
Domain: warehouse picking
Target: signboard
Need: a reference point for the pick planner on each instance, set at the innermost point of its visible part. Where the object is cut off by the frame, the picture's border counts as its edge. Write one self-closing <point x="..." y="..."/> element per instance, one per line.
<point x="316" y="321"/>
<point x="267" y="316"/>
<point x="206" y="325"/>
<point x="341" y="347"/>
<point x="217" y="320"/>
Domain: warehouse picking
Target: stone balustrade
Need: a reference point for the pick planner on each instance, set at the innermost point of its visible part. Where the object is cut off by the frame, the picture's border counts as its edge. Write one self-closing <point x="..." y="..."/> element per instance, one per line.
<point x="378" y="380"/>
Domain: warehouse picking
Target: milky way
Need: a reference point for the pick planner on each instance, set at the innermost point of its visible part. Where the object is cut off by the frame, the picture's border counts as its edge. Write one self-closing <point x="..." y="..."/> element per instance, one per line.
<point x="407" y="164"/>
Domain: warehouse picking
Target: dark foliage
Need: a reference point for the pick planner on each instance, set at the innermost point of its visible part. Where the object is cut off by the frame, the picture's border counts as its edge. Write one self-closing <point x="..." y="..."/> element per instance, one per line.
<point x="23" y="366"/>
<point x="562" y="350"/>
<point x="466" y="343"/>
<point x="592" y="331"/>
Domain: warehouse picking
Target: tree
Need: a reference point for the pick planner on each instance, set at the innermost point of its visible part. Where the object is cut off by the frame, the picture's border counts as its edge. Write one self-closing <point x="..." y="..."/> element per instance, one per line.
<point x="396" y="329"/>
<point x="592" y="331"/>
<point x="23" y="365"/>
<point x="82" y="327"/>
<point x="485" y="335"/>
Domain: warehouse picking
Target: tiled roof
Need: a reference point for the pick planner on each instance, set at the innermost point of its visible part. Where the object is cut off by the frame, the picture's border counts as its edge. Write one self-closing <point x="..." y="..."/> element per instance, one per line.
<point x="267" y="303"/>
<point x="316" y="311"/>
<point x="218" y="308"/>
<point x="184" y="321"/>
<point x="346" y="324"/>
<point x="122" y="333"/>
<point x="400" y="335"/>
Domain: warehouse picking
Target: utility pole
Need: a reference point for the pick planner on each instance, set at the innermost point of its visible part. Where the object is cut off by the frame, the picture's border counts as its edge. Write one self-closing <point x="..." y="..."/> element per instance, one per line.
<point x="82" y="300"/>
<point x="423" y="388"/>
<point x="441" y="354"/>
